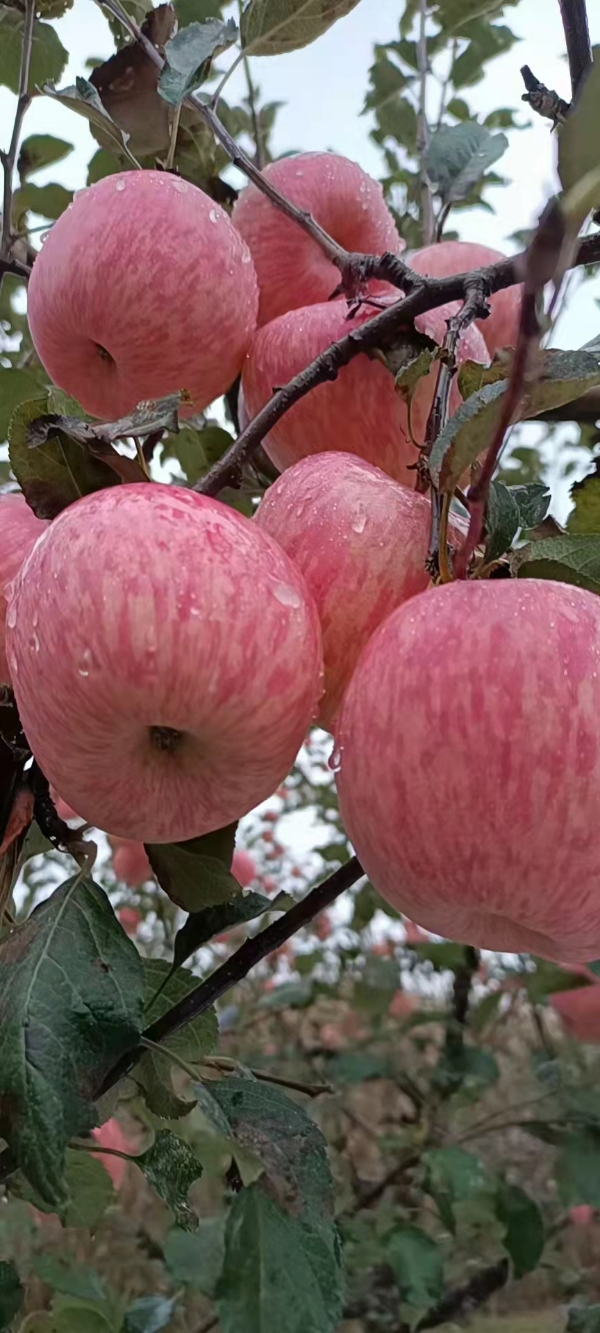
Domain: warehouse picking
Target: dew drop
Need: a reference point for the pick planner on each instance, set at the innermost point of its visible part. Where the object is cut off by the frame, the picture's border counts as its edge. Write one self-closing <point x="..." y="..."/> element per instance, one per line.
<point x="44" y="236"/>
<point x="213" y="216"/>
<point x="120" y="185"/>
<point x="83" y="668"/>
<point x="246" y="257"/>
<point x="286" y="595"/>
<point x="359" y="521"/>
<point x="11" y="618"/>
<point x="180" y="186"/>
<point x="335" y="759"/>
<point x="34" y="643"/>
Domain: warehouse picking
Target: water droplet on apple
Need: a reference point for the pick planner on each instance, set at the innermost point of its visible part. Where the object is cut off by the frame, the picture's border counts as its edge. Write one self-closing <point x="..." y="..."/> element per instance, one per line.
<point x="180" y="186"/>
<point x="246" y="257"/>
<point x="120" y="185"/>
<point x="286" y="595"/>
<point x="34" y="643"/>
<point x="213" y="216"/>
<point x="83" y="668"/>
<point x="11" y="618"/>
<point x="359" y="521"/>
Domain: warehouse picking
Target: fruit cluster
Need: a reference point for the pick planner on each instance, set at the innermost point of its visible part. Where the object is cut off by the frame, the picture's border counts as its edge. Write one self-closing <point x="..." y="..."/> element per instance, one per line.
<point x="168" y="654"/>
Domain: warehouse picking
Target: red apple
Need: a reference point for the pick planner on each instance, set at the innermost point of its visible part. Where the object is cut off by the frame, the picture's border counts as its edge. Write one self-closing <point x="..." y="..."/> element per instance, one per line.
<point x="292" y="269"/>
<point x="143" y="287"/>
<point x="361" y="542"/>
<point x="579" y="1012"/>
<point x="63" y="810"/>
<point x="440" y="261"/>
<point x="110" y="1135"/>
<point x="581" y="1215"/>
<point x="360" y="412"/>
<point x="242" y="867"/>
<point x="469" y="743"/>
<point x="131" y="864"/>
<point x="130" y="919"/>
<point x="19" y="531"/>
<point x="401" y="1004"/>
<point x="166" y="658"/>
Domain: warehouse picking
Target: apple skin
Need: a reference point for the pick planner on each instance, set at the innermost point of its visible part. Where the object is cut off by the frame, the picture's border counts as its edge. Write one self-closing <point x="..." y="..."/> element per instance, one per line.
<point x="147" y="610"/>
<point x="110" y="1135"/>
<point x="360" y="412"/>
<point x="147" y="267"/>
<point x="469" y="744"/>
<point x="579" y="1012"/>
<point x="361" y="542"/>
<point x="242" y="867"/>
<point x="130" y="920"/>
<point x="131" y="864"/>
<point x="448" y="257"/>
<point x="19" y="531"/>
<point x="292" y="269"/>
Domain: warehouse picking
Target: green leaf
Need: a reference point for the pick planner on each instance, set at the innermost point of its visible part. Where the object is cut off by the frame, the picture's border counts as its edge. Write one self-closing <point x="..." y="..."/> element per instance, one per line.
<point x="11" y="1294"/>
<point x="90" y="1191"/>
<point x="102" y="164"/>
<point x="41" y="150"/>
<point x="79" y="1282"/>
<point x="164" y="987"/>
<point x="47" y="200"/>
<point x="272" y="27"/>
<point x="219" y="1144"/>
<point x="585" y="516"/>
<point x="463" y="1064"/>
<point x="288" y="1211"/>
<point x="510" y="508"/>
<point x="578" y="146"/>
<point x="398" y="120"/>
<point x="565" y="559"/>
<point x="195" y="1039"/>
<point x="196" y="1260"/>
<point x="196" y="450"/>
<point x="487" y="40"/>
<point x="452" y="1176"/>
<point x="149" y="1314"/>
<point x="578" y="1168"/>
<point x="68" y="1317"/>
<point x="524" y="1237"/>
<point x="418" y="1266"/>
<point x="201" y="927"/>
<point x="563" y="377"/>
<point x="278" y="1272"/>
<point x="583" y="1319"/>
<point x="459" y="155"/>
<point x="196" y="874"/>
<point x="48" y="55"/>
<point x="15" y="387"/>
<point x="453" y="14"/>
<point x="83" y="98"/>
<point x="55" y="474"/>
<point x="386" y="80"/>
<point x="171" y="1168"/>
<point x="71" y="994"/>
<point x="189" y="56"/>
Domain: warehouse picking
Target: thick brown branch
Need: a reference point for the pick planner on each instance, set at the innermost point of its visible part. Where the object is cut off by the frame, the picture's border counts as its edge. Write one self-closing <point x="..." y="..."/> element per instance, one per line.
<point x="375" y="333"/>
<point x="577" y="36"/>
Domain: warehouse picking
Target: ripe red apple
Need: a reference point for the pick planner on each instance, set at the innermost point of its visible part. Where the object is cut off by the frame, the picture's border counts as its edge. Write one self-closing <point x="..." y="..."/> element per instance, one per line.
<point x="292" y="269"/>
<point x="19" y="531"/>
<point x="242" y="867"/>
<point x="131" y="864"/>
<point x="581" y="1215"/>
<point x="143" y="287"/>
<point x="402" y="1004"/>
<point x="130" y="920"/>
<point x="361" y="542"/>
<point x="469" y="743"/>
<point x="63" y="810"/>
<point x="166" y="659"/>
<point x="360" y="412"/>
<point x="579" y="1012"/>
<point x="440" y="261"/>
<point x="110" y="1135"/>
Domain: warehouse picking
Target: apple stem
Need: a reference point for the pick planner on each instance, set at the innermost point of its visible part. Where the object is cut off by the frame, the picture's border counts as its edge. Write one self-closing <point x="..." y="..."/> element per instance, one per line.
<point x="8" y="159"/>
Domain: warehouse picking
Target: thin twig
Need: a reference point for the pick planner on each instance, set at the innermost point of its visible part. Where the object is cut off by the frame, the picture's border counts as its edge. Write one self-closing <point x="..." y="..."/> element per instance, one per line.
<point x="577" y="37"/>
<point x="8" y="159"/>
<point x="252" y="95"/>
<point x="427" y="218"/>
<point x="173" y="140"/>
<point x="228" y="1066"/>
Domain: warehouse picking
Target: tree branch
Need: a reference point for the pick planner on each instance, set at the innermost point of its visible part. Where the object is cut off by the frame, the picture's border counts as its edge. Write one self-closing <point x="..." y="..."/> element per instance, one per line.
<point x="378" y="331"/>
<point x="241" y="963"/>
<point x="577" y="36"/>
<point x="427" y="218"/>
<point x="545" y="101"/>
<point x="8" y="159"/>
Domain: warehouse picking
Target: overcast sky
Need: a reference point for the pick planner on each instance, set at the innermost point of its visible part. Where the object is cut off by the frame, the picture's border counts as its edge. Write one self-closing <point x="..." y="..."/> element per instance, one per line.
<point x="323" y="88"/>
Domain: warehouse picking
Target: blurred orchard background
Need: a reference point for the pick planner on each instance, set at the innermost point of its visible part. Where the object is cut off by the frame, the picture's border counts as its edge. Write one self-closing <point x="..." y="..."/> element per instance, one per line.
<point x="458" y="1094"/>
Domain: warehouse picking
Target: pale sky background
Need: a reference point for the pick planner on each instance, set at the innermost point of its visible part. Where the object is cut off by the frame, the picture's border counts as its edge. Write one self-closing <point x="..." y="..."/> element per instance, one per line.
<point x="323" y="88"/>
